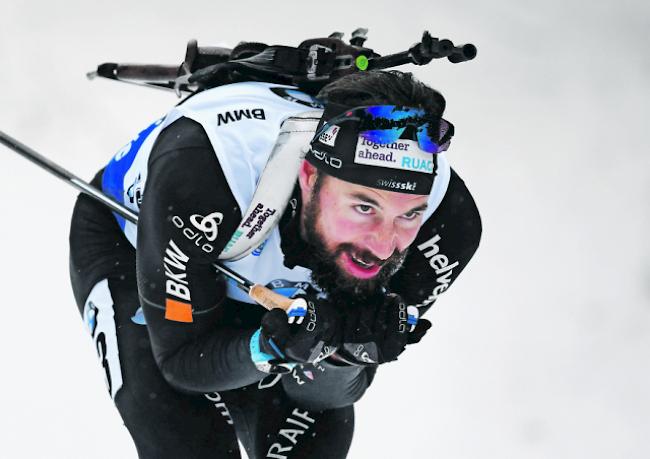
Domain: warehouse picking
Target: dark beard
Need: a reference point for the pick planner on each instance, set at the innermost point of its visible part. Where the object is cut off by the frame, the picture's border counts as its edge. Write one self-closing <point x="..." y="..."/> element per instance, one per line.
<point x="339" y="286"/>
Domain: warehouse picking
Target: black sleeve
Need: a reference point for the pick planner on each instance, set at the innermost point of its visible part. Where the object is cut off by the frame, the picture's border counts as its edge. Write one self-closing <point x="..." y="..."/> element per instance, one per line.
<point x="187" y="215"/>
<point x="443" y="247"/>
<point x="327" y="386"/>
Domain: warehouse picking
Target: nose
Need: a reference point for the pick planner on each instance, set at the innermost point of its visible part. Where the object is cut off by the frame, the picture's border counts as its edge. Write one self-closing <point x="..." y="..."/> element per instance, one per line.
<point x="382" y="240"/>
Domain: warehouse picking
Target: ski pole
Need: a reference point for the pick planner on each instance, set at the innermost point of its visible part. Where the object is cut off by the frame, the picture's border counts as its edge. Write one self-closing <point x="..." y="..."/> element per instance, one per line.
<point x="262" y="295"/>
<point x="66" y="176"/>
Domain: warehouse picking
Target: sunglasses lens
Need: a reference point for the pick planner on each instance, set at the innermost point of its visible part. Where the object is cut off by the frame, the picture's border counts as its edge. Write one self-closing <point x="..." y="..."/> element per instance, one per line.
<point x="382" y="136"/>
<point x="391" y="112"/>
<point x="379" y="118"/>
<point x="425" y="141"/>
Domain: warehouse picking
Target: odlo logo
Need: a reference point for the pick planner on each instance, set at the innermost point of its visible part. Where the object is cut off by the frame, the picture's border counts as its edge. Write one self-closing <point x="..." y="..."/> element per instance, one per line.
<point x="327" y="159"/>
<point x="311" y="310"/>
<point x="209" y="224"/>
<point x="403" y="318"/>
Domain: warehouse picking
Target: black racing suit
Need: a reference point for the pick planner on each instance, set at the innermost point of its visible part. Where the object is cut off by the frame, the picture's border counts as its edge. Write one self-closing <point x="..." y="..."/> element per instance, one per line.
<point x="190" y="389"/>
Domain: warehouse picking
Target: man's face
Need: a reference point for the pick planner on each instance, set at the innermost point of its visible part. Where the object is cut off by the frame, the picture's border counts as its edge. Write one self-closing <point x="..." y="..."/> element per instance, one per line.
<point x="359" y="235"/>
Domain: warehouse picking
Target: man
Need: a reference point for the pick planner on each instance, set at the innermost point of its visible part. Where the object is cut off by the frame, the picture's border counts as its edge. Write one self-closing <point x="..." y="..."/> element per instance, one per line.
<point x="375" y="221"/>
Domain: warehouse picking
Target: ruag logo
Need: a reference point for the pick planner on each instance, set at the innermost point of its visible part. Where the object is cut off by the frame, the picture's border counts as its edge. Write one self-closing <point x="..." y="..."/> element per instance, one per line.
<point x="440" y="263"/>
<point x="238" y="115"/>
<point x="193" y="235"/>
<point x="402" y="154"/>
<point x="179" y="307"/>
<point x="329" y="136"/>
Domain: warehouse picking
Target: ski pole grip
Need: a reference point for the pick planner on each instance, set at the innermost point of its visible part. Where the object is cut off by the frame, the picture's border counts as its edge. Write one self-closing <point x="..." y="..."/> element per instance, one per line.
<point x="268" y="298"/>
<point x="214" y="51"/>
<point x="143" y="72"/>
<point x="146" y="72"/>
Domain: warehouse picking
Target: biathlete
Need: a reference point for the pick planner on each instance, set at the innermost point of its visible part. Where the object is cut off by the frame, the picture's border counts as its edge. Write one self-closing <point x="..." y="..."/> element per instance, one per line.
<point x="344" y="202"/>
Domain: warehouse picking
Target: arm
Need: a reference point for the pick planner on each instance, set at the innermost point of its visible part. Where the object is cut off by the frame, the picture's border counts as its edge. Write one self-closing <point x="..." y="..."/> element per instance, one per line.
<point x="179" y="292"/>
<point x="443" y="247"/>
<point x="330" y="385"/>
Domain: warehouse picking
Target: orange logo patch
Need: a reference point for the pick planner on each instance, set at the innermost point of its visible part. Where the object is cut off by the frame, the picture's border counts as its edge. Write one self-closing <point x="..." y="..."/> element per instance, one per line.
<point x="178" y="311"/>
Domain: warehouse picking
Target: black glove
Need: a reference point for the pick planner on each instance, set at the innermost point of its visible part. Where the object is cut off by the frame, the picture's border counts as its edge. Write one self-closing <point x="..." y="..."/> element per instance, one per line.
<point x="379" y="333"/>
<point x="308" y="332"/>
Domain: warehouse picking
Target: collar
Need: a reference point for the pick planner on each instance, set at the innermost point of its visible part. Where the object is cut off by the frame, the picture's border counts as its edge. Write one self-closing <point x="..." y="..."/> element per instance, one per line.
<point x="294" y="248"/>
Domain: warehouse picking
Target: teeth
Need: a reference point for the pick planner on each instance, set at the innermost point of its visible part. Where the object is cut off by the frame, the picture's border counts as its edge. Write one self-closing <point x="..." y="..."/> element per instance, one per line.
<point x="361" y="262"/>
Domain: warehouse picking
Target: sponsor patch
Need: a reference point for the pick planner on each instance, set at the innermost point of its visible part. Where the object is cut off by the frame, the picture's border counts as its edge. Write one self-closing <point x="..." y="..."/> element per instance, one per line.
<point x="396" y="185"/>
<point x="256" y="219"/>
<point x="440" y="264"/>
<point x="175" y="263"/>
<point x="328" y="159"/>
<point x="329" y="136"/>
<point x="178" y="311"/>
<point x="402" y="154"/>
<point x="238" y="115"/>
<point x="193" y="235"/>
<point x="291" y="432"/>
<point x="208" y="224"/>
<point x="217" y="400"/>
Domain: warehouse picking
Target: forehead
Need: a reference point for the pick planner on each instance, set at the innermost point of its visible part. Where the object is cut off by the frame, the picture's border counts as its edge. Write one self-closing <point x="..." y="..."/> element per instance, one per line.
<point x="340" y="189"/>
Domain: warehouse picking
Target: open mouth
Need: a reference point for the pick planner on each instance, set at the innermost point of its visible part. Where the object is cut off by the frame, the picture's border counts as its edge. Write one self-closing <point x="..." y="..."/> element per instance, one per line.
<point x="361" y="262"/>
<point x="359" y="266"/>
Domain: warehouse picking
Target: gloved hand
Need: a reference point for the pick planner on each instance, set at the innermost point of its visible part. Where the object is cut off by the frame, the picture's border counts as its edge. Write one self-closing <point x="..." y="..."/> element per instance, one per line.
<point x="379" y="333"/>
<point x="308" y="332"/>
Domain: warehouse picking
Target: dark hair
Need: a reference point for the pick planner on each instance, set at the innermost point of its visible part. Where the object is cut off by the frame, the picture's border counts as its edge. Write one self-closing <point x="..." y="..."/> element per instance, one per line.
<point x="379" y="87"/>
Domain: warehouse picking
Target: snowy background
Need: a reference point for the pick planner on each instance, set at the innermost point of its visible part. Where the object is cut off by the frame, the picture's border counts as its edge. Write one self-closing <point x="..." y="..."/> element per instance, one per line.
<point x="540" y="350"/>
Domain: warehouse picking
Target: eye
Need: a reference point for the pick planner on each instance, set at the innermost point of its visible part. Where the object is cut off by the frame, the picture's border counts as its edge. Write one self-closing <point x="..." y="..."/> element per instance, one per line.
<point x="364" y="209"/>
<point x="412" y="215"/>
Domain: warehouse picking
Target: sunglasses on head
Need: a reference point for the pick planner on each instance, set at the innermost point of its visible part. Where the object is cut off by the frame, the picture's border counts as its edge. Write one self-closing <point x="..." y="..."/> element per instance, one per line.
<point x="384" y="124"/>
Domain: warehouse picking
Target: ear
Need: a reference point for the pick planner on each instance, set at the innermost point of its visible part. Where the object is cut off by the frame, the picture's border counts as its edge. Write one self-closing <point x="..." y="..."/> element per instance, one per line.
<point x="307" y="177"/>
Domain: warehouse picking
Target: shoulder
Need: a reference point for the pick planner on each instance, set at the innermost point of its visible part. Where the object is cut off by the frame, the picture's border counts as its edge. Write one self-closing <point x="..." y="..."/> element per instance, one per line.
<point x="457" y="214"/>
<point x="183" y="133"/>
<point x="183" y="165"/>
